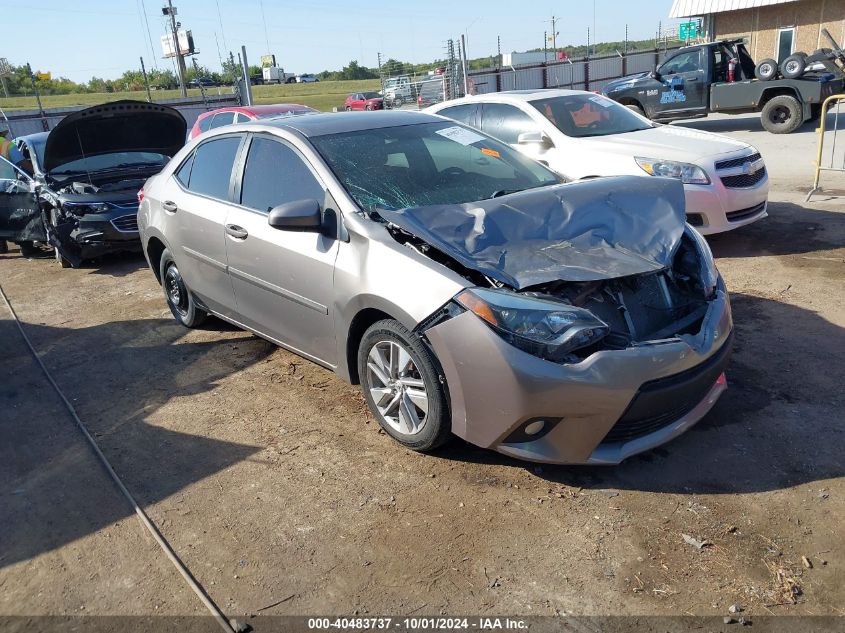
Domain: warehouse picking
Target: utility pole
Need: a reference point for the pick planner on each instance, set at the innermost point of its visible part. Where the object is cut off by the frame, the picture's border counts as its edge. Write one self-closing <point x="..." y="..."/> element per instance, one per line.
<point x="37" y="98"/>
<point x="146" y="81"/>
<point x="464" y="63"/>
<point x="545" y="46"/>
<point x="499" y="50"/>
<point x="588" y="41"/>
<point x="380" y="75"/>
<point x="594" y="22"/>
<point x="245" y="68"/>
<point x="180" y="61"/>
<point x="554" y="34"/>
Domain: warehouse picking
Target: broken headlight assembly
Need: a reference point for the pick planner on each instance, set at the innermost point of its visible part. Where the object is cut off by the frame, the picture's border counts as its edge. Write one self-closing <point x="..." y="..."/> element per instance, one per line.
<point x="83" y="208"/>
<point x="707" y="273"/>
<point x="687" y="173"/>
<point x="547" y="329"/>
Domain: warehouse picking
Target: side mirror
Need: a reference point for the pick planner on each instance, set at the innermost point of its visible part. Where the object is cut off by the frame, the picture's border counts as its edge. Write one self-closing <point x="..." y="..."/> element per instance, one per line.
<point x="535" y="138"/>
<point x="654" y="75"/>
<point x="301" y="215"/>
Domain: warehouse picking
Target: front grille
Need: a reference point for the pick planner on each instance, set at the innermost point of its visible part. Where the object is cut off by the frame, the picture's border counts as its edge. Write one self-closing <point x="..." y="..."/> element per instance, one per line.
<point x="661" y="402"/>
<point x="737" y="162"/>
<point x="744" y="180"/>
<point x="126" y="223"/>
<point x="742" y="214"/>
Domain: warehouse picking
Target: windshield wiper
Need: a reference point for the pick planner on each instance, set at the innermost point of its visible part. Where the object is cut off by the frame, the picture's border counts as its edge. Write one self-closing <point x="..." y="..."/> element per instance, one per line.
<point x="505" y="192"/>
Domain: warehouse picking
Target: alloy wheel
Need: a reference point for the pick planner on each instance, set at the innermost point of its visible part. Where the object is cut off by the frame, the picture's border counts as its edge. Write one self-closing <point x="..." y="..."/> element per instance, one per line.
<point x="396" y="387"/>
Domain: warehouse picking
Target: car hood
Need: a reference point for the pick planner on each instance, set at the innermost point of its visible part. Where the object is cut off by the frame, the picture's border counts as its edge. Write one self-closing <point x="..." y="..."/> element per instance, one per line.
<point x="119" y="126"/>
<point x="584" y="231"/>
<point x="668" y="142"/>
<point x="624" y="82"/>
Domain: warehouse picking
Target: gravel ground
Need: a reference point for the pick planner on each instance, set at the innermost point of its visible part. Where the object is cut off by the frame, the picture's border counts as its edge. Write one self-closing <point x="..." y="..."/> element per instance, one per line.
<point x="275" y="485"/>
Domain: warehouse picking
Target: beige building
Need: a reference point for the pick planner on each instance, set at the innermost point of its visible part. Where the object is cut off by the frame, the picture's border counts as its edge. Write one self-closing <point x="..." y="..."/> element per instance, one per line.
<point x="772" y="28"/>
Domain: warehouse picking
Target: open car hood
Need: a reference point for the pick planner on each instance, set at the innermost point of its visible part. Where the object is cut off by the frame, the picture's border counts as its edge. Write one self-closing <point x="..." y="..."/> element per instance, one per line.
<point x="584" y="231"/>
<point x="119" y="126"/>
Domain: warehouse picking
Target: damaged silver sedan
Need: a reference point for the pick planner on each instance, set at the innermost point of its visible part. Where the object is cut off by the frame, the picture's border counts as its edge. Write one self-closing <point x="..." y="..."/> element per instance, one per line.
<point x="466" y="288"/>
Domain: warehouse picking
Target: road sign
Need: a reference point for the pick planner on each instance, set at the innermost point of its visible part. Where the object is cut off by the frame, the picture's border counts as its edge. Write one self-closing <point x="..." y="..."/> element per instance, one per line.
<point x="46" y="76"/>
<point x="688" y="30"/>
<point x="5" y="68"/>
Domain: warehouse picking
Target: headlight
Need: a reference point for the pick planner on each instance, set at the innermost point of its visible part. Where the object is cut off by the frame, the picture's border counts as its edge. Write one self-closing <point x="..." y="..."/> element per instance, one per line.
<point x="687" y="173"/>
<point x="707" y="270"/>
<point x="81" y="208"/>
<point x="547" y="329"/>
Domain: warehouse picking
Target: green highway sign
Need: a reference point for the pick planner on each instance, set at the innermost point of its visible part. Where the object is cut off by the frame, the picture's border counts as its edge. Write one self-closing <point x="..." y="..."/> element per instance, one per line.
<point x="688" y="30"/>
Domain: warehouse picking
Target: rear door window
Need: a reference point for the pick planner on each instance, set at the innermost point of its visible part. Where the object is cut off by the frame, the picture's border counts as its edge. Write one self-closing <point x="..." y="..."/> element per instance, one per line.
<point x="466" y="114"/>
<point x="211" y="173"/>
<point x="205" y="124"/>
<point x="275" y="173"/>
<point x="506" y="122"/>
<point x="222" y="118"/>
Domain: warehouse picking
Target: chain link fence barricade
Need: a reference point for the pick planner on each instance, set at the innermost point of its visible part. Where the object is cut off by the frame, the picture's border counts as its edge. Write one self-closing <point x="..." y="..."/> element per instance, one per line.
<point x="830" y="155"/>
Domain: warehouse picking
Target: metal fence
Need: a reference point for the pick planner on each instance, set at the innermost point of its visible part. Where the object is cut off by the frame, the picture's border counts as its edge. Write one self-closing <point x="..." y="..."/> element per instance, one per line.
<point x="830" y="156"/>
<point x="578" y="74"/>
<point x="22" y="122"/>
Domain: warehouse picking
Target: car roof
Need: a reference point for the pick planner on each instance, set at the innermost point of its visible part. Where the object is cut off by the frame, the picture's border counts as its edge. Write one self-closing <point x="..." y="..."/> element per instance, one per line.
<point x="275" y="108"/>
<point x="338" y="123"/>
<point x="525" y="95"/>
<point x="33" y="138"/>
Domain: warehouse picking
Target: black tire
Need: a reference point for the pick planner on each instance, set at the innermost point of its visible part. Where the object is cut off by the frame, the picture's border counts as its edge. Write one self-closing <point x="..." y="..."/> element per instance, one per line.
<point x="4" y="248"/>
<point x="61" y="261"/>
<point x="179" y="298"/>
<point x="436" y="425"/>
<point x="349" y="108"/>
<point x="368" y="107"/>
<point x="766" y="70"/>
<point x="28" y="249"/>
<point x="291" y="80"/>
<point x="782" y="114"/>
<point x="793" y="66"/>
<point x="636" y="108"/>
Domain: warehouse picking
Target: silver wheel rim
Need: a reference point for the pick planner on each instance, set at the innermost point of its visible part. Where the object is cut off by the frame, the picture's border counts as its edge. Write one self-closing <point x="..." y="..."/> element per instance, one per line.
<point x="397" y="388"/>
<point x="766" y="69"/>
<point x="792" y="67"/>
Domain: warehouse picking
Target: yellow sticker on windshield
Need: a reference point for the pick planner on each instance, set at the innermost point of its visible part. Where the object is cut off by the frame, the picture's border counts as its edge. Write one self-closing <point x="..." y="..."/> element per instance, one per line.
<point x="491" y="152"/>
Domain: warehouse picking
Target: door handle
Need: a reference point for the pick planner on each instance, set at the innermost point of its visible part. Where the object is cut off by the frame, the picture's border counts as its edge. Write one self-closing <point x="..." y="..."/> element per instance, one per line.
<point x="692" y="79"/>
<point x="169" y="206"/>
<point x="238" y="232"/>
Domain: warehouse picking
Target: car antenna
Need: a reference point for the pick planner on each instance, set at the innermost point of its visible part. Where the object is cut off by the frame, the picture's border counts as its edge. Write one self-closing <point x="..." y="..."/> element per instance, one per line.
<point x="84" y="157"/>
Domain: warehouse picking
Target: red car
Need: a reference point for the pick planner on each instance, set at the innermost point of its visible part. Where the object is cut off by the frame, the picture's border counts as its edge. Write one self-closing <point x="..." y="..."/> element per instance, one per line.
<point x="242" y="114"/>
<point x="364" y="101"/>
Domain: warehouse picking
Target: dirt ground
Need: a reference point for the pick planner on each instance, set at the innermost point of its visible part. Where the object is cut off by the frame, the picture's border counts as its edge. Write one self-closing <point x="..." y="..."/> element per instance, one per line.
<point x="275" y="486"/>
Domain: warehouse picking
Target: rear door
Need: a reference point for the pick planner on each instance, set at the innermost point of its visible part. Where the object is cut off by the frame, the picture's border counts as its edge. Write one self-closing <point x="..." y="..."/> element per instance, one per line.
<point x="194" y="206"/>
<point x="685" y="85"/>
<point x="506" y="122"/>
<point x="283" y="280"/>
<point x="467" y="113"/>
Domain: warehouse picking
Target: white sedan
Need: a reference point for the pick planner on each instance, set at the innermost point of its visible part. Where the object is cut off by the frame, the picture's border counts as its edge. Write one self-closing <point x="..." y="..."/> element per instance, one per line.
<point x="584" y="135"/>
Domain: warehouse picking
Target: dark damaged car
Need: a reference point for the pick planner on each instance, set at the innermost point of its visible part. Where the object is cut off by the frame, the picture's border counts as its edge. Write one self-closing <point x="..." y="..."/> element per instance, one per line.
<point x="465" y="287"/>
<point x="82" y="197"/>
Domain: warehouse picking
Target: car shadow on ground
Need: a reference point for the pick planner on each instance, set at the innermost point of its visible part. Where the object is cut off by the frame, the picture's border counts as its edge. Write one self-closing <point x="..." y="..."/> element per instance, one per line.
<point x="749" y="123"/>
<point x="778" y="425"/>
<point x="790" y="229"/>
<point x="117" y="375"/>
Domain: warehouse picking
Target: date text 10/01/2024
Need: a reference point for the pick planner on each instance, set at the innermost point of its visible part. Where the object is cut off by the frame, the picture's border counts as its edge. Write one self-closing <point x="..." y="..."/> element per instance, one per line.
<point x="417" y="624"/>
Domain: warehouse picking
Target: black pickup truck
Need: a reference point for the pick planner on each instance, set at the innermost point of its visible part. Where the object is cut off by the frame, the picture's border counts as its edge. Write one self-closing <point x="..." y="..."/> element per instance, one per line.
<point x="694" y="81"/>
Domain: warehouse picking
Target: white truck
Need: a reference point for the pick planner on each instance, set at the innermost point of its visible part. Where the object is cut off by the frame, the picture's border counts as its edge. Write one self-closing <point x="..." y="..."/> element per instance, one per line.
<point x="277" y="75"/>
<point x="398" y="90"/>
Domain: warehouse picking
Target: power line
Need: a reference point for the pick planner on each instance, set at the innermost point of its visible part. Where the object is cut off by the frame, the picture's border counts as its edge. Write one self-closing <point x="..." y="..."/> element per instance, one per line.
<point x="264" y="18"/>
<point x="149" y="35"/>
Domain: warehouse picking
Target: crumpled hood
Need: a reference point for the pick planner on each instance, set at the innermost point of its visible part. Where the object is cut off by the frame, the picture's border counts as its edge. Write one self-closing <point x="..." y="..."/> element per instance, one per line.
<point x="119" y="126"/>
<point x="584" y="231"/>
<point x="668" y="142"/>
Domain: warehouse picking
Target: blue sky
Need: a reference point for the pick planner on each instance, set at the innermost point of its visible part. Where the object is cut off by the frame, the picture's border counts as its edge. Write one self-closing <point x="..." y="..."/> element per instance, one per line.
<point x="84" y="38"/>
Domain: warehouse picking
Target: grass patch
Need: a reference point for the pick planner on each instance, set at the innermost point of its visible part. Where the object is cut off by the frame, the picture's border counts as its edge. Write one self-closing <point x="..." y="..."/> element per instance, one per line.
<point x="323" y="95"/>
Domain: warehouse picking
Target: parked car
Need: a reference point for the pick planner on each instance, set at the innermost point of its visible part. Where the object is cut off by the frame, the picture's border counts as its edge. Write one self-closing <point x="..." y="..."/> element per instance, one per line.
<point x="307" y="78"/>
<point x="583" y="135"/>
<point x="242" y="114"/>
<point x="82" y="197"/>
<point x="464" y="287"/>
<point x="431" y="92"/>
<point x="364" y="101"/>
<point x="205" y="82"/>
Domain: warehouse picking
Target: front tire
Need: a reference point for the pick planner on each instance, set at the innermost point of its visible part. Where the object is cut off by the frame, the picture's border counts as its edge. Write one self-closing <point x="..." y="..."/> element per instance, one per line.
<point x="179" y="299"/>
<point x="403" y="386"/>
<point x="782" y="114"/>
<point x="636" y="108"/>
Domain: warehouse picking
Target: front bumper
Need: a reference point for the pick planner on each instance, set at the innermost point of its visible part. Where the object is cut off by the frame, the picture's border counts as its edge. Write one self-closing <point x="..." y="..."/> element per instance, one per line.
<point x="95" y="234"/>
<point x="495" y="388"/>
<point x="717" y="207"/>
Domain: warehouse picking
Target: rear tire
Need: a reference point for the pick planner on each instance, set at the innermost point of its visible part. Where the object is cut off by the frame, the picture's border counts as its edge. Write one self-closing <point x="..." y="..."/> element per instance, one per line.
<point x="766" y="70"/>
<point x="28" y="249"/>
<point x="782" y="114"/>
<point x="179" y="298"/>
<point x="403" y="386"/>
<point x="636" y="108"/>
<point x="793" y="66"/>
